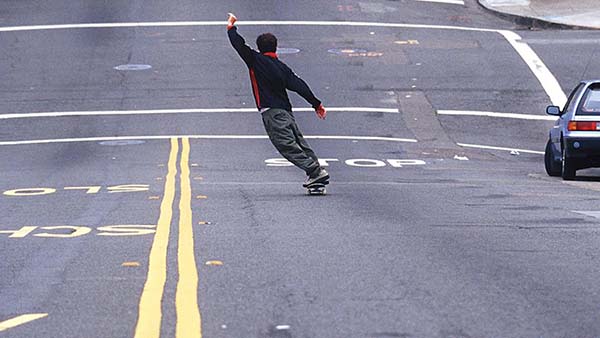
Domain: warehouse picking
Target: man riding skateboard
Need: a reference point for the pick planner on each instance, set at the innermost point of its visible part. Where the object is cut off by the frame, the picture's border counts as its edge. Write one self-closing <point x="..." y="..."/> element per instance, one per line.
<point x="271" y="79"/>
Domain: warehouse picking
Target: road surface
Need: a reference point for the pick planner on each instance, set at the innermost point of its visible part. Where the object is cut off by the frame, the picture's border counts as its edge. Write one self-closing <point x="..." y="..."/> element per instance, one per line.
<point x="140" y="196"/>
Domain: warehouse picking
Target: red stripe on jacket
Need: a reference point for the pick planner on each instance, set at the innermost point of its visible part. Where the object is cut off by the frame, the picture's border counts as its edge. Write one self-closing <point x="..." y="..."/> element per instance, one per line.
<point x="255" y="88"/>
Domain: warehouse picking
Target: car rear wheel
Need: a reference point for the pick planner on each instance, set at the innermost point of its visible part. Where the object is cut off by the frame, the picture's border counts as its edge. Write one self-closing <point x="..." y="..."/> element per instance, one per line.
<point x="568" y="167"/>
<point x="553" y="167"/>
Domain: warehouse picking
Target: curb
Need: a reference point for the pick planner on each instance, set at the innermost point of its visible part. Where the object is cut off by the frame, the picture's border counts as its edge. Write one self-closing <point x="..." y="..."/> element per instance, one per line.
<point x="531" y="22"/>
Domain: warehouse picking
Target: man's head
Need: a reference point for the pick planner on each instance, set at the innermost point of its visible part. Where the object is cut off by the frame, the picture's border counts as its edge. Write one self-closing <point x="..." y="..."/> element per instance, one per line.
<point x="267" y="43"/>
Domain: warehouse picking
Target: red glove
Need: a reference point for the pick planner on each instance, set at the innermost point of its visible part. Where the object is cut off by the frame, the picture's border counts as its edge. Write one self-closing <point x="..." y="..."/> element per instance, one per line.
<point x="321" y="112"/>
<point x="231" y="19"/>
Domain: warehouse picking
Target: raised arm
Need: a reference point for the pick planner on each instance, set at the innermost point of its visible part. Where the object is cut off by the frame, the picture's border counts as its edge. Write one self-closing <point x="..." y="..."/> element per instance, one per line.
<point x="239" y="44"/>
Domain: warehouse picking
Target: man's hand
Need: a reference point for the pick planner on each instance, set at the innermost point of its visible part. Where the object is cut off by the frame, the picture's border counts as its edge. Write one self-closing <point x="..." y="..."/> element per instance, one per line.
<point x="231" y="19"/>
<point x="321" y="112"/>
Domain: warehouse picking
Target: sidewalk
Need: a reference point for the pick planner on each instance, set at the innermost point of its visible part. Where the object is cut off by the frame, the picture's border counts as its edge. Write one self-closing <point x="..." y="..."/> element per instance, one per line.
<point x="574" y="13"/>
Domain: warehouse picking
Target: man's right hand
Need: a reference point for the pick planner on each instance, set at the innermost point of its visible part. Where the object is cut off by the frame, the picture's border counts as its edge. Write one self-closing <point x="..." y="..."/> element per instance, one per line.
<point x="231" y="19"/>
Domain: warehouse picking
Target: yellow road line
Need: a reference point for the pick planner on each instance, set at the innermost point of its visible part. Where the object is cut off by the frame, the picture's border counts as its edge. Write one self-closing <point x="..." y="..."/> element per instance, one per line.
<point x="189" y="323"/>
<point x="150" y="308"/>
<point x="19" y="320"/>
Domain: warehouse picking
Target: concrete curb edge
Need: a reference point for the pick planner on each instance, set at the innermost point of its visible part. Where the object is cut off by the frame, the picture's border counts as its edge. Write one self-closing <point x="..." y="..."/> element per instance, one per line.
<point x="531" y="22"/>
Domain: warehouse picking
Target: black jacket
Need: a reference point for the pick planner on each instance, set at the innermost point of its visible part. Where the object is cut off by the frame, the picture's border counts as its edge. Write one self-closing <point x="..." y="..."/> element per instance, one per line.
<point x="270" y="77"/>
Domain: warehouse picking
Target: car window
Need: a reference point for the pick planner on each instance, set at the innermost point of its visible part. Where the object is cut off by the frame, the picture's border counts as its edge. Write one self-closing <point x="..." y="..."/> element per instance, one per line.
<point x="570" y="105"/>
<point x="590" y="104"/>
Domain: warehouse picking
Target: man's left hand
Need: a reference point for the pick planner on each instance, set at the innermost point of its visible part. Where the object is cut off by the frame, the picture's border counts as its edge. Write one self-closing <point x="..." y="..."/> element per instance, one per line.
<point x="321" y="112"/>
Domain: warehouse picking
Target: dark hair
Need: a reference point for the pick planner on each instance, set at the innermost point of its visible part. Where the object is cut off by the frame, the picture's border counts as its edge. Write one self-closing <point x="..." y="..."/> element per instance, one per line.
<point x="266" y="43"/>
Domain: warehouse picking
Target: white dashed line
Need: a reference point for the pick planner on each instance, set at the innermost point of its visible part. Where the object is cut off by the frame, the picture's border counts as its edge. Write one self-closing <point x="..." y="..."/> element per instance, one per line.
<point x="498" y="115"/>
<point x="477" y="146"/>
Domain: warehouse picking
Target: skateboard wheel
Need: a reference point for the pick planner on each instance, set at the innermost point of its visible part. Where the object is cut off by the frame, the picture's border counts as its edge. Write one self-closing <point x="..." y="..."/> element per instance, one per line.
<point x="317" y="191"/>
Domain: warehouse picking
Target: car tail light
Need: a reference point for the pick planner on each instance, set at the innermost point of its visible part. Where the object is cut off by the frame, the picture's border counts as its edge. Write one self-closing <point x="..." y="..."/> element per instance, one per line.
<point x="583" y="126"/>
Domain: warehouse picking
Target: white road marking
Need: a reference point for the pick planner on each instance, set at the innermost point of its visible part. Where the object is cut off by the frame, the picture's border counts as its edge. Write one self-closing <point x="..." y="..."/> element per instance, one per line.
<point x="477" y="146"/>
<point x="537" y="66"/>
<point x="187" y="111"/>
<point x="253" y="110"/>
<point x="452" y="2"/>
<point x="563" y="41"/>
<point x="493" y="114"/>
<point x="20" y="320"/>
<point x="595" y="214"/>
<point x="539" y="69"/>
<point x="239" y="23"/>
<point x="502" y="3"/>
<point x="210" y="137"/>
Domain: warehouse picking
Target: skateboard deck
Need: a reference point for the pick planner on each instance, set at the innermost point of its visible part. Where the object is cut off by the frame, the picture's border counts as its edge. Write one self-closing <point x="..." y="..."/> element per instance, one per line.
<point x="317" y="189"/>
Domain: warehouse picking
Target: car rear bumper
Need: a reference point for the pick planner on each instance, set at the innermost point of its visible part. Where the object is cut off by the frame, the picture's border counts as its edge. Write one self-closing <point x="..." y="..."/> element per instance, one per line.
<point x="582" y="149"/>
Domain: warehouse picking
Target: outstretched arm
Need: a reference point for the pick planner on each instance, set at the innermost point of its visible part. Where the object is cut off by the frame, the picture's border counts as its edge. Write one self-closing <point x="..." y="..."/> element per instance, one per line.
<point x="296" y="84"/>
<point x="237" y="41"/>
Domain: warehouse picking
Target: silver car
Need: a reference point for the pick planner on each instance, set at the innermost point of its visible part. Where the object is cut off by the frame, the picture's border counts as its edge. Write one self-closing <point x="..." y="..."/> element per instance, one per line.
<point x="574" y="141"/>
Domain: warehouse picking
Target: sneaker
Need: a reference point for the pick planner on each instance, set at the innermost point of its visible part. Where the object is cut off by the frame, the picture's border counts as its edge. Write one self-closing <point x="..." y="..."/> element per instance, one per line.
<point x="321" y="176"/>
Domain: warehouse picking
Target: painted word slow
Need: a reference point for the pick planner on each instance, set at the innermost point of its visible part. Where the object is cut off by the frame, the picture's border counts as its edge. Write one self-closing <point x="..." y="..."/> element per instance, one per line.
<point x="92" y="189"/>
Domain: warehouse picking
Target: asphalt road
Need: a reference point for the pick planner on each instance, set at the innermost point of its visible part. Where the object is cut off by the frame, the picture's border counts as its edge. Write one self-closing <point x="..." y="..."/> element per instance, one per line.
<point x="149" y="203"/>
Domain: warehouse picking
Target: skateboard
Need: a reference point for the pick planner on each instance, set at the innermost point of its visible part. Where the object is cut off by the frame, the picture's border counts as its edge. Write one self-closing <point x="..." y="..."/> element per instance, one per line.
<point x="317" y="188"/>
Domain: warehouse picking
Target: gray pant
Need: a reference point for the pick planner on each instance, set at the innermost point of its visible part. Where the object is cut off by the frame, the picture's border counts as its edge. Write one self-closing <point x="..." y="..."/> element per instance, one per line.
<point x="288" y="140"/>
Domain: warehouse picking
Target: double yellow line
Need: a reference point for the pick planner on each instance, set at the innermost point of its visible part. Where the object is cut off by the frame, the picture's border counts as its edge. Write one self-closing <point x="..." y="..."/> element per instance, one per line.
<point x="186" y="298"/>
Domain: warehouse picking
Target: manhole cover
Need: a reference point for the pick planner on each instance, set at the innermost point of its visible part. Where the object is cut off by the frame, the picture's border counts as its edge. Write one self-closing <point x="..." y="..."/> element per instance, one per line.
<point x="121" y="142"/>
<point x="133" y="67"/>
<point x="288" y="50"/>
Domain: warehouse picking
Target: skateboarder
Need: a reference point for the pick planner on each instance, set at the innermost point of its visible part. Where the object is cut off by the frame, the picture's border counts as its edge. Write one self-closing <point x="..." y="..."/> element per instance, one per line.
<point x="270" y="79"/>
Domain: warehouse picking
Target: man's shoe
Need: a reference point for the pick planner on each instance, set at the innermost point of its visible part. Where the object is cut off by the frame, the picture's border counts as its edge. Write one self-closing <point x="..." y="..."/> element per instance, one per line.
<point x="321" y="176"/>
